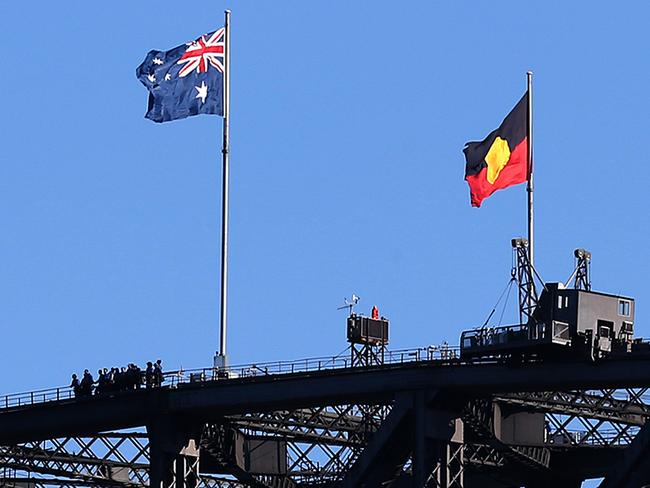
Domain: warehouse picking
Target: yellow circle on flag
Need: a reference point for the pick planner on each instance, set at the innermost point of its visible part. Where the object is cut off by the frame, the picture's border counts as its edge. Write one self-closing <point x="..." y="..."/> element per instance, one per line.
<point x="497" y="158"/>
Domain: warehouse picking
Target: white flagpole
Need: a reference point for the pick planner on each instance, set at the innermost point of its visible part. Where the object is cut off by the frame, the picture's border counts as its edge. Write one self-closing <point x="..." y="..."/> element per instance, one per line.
<point x="220" y="360"/>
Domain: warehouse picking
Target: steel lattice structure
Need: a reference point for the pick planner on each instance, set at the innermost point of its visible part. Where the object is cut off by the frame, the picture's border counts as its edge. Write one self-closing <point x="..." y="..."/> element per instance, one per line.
<point x="586" y="432"/>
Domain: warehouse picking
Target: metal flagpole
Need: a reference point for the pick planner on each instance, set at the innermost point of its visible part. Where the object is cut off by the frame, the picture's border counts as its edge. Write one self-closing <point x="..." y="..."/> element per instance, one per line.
<point x="220" y="359"/>
<point x="529" y="187"/>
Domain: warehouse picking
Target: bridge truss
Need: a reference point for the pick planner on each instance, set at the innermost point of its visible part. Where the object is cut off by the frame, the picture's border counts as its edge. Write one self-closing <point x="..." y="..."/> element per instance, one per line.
<point x="420" y="437"/>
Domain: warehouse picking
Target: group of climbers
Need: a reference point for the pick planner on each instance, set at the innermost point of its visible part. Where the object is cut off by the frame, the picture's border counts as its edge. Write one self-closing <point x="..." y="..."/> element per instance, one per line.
<point x="118" y="379"/>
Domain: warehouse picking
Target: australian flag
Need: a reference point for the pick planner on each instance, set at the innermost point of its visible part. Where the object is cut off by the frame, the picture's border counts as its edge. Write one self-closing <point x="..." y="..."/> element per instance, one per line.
<point x="186" y="80"/>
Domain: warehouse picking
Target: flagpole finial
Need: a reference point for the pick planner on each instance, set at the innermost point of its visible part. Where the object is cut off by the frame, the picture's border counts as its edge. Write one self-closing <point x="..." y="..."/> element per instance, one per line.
<point x="227" y="11"/>
<point x="529" y="73"/>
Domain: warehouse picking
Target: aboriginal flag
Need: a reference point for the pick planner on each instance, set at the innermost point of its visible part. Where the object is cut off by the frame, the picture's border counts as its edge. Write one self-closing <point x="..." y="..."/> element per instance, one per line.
<point x="501" y="159"/>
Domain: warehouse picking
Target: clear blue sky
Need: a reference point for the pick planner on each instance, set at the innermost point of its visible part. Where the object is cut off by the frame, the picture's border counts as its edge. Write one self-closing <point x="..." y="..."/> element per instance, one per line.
<point x="348" y="121"/>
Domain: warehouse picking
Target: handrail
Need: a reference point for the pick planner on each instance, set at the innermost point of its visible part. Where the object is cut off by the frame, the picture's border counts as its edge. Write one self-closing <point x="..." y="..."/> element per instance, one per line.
<point x="440" y="353"/>
<point x="174" y="378"/>
<point x="604" y="437"/>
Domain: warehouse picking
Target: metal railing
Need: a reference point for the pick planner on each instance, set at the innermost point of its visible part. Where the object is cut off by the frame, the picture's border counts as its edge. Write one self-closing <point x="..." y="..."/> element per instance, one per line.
<point x="602" y="437"/>
<point x="172" y="379"/>
<point x="431" y="353"/>
<point x="494" y="336"/>
<point x="38" y="396"/>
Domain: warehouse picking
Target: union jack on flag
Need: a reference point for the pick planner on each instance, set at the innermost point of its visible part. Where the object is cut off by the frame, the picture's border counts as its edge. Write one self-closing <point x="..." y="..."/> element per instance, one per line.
<point x="204" y="52"/>
<point x="186" y="80"/>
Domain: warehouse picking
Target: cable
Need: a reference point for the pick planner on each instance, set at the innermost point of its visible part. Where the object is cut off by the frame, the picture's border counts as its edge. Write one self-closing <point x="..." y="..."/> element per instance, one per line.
<point x="497" y="303"/>
<point x="505" y="304"/>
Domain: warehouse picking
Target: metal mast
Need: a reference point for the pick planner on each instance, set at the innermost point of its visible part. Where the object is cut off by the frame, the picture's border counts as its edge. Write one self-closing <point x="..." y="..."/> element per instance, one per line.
<point x="220" y="358"/>
<point x="530" y="188"/>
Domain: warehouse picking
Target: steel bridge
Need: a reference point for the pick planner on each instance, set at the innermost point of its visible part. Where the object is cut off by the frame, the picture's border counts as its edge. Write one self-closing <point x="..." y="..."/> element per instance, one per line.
<point x="411" y="418"/>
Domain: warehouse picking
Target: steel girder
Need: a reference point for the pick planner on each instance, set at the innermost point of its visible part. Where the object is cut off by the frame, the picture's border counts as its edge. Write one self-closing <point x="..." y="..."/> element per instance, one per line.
<point x="633" y="470"/>
<point x="32" y="482"/>
<point x="120" y="458"/>
<point x="334" y="425"/>
<point x="450" y="471"/>
<point x="625" y="406"/>
<point x="478" y="417"/>
<point x="114" y="459"/>
<point x="22" y="482"/>
<point x="602" y="417"/>
<point x="323" y="442"/>
<point x="209" y="401"/>
<point x="338" y="426"/>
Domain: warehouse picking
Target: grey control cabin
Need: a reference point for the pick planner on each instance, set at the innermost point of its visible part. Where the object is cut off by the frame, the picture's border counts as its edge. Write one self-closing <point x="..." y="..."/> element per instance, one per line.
<point x="564" y="321"/>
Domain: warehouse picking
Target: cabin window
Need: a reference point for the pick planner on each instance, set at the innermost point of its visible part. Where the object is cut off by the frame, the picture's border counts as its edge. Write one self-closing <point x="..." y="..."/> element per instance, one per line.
<point x="628" y="327"/>
<point x="561" y="331"/>
<point x="604" y="328"/>
<point x="562" y="302"/>
<point x="624" y="308"/>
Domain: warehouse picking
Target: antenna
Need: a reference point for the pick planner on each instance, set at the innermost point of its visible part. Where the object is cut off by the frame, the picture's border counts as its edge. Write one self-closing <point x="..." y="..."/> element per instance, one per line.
<point x="349" y="304"/>
<point x="581" y="273"/>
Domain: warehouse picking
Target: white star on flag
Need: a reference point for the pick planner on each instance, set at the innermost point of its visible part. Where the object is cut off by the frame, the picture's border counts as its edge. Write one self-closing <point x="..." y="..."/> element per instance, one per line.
<point x="203" y="91"/>
<point x="152" y="78"/>
<point x="157" y="61"/>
